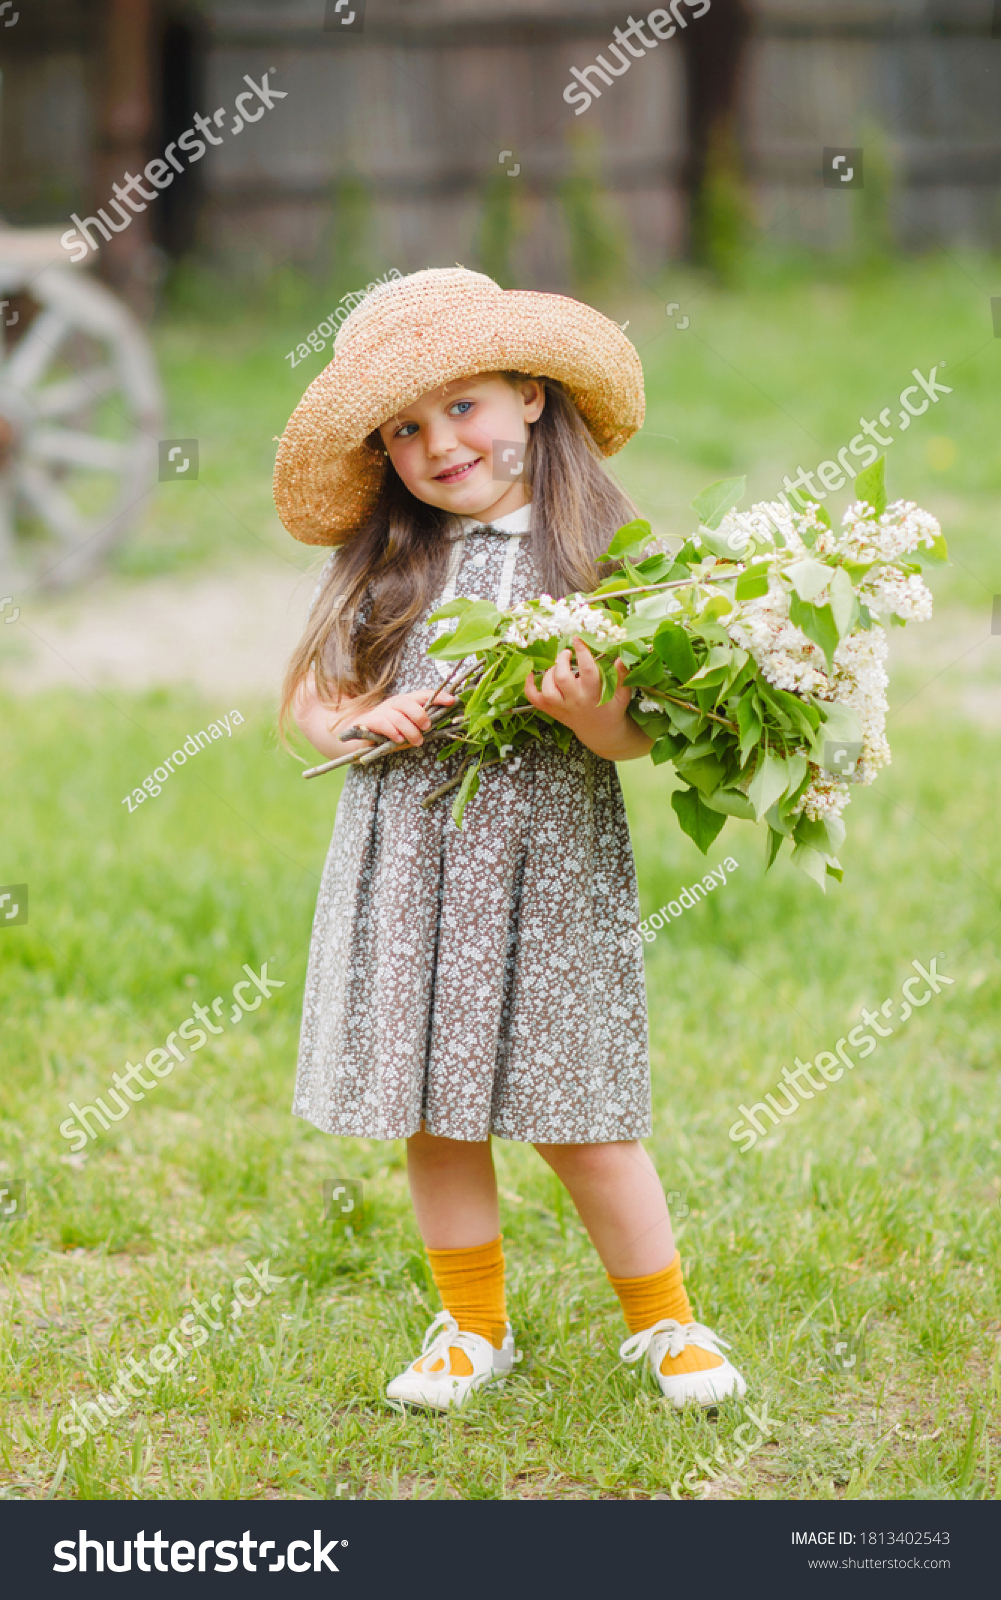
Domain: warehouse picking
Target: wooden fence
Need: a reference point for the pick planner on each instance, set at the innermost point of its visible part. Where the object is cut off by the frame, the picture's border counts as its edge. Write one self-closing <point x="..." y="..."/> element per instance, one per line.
<point x="446" y="121"/>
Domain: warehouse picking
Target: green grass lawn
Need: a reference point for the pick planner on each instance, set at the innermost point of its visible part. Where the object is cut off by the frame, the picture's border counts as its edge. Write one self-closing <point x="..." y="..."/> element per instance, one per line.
<point x="869" y="1221"/>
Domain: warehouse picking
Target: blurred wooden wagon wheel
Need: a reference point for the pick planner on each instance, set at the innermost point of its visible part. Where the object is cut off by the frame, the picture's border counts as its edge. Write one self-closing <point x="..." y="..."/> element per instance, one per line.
<point x="81" y="411"/>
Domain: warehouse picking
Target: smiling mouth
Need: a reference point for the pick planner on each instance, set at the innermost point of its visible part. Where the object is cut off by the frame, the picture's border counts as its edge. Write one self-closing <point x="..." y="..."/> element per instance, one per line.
<point x="453" y="474"/>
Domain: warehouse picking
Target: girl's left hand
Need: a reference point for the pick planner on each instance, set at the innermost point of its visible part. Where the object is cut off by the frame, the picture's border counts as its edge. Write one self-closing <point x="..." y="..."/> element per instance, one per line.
<point x="572" y="697"/>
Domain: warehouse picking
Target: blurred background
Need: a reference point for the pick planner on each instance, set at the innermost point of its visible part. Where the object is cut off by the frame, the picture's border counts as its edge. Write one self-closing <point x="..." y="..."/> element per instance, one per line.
<point x="147" y="587"/>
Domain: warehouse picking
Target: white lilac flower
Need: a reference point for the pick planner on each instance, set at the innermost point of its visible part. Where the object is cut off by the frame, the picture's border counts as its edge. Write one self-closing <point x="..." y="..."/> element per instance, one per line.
<point x="787" y="658"/>
<point x="903" y="595"/>
<point x="826" y="797"/>
<point x="860" y="683"/>
<point x="547" y="618"/>
<point x="650" y="705"/>
<point x="902" y="529"/>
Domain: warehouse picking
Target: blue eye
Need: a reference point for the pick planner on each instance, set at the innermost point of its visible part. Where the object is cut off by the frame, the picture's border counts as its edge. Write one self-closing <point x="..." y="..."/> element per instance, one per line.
<point x="404" y="432"/>
<point x="461" y="407"/>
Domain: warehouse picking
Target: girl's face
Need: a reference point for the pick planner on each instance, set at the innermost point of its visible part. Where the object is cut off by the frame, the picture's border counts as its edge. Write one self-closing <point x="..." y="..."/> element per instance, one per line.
<point x="449" y="446"/>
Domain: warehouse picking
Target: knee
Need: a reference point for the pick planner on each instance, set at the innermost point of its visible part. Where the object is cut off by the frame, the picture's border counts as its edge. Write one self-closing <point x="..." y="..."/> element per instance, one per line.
<point x="432" y="1151"/>
<point x="586" y="1162"/>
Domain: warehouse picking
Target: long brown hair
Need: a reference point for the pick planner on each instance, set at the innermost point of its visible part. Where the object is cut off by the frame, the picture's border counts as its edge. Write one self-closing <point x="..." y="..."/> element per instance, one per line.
<point x="400" y="555"/>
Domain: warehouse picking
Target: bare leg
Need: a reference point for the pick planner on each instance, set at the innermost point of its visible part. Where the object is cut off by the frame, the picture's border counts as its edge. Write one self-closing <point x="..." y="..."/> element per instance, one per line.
<point x="620" y="1200"/>
<point x="454" y="1190"/>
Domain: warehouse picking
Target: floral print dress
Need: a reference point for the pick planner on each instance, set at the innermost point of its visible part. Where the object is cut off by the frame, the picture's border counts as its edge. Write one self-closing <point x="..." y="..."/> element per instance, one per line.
<point x="481" y="979"/>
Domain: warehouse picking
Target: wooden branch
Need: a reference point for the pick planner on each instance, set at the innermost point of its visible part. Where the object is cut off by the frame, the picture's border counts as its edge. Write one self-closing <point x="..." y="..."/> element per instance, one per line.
<point x="686" y="706"/>
<point x="443" y="788"/>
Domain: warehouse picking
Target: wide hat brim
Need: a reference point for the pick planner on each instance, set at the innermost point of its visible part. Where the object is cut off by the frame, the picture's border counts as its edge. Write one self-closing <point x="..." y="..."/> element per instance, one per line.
<point x="418" y="333"/>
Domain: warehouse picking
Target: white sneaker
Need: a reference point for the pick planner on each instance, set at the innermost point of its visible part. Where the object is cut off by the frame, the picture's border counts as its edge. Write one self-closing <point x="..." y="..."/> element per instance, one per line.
<point x="685" y="1388"/>
<point x="429" y="1381"/>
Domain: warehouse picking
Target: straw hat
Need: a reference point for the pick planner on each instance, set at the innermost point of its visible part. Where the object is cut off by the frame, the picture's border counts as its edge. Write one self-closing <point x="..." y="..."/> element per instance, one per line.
<point x="414" y="334"/>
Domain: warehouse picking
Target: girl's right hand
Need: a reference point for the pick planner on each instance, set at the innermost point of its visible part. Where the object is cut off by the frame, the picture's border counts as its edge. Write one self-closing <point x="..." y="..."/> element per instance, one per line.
<point x="403" y="718"/>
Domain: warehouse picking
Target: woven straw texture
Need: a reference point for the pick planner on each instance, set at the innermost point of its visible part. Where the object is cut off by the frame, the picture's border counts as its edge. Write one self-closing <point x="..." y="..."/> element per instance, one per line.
<point x="415" y="334"/>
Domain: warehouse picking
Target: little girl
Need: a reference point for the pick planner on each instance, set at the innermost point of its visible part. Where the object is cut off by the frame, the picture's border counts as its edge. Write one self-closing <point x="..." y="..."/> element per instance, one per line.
<point x="471" y="982"/>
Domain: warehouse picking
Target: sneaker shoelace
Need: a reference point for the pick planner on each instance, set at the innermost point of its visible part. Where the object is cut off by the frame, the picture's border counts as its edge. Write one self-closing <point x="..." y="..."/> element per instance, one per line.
<point x="679" y="1334"/>
<point x="443" y="1332"/>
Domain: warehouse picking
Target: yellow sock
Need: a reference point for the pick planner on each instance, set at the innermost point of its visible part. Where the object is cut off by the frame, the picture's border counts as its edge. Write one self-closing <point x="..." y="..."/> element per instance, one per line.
<point x="651" y="1299"/>
<point x="471" y="1285"/>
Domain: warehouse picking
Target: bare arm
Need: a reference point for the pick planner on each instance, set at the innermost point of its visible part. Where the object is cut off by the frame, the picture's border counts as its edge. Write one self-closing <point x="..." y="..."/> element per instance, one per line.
<point x="572" y="698"/>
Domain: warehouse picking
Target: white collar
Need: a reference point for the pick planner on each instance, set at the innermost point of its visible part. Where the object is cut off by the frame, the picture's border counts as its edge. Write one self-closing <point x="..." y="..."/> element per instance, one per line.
<point x="517" y="521"/>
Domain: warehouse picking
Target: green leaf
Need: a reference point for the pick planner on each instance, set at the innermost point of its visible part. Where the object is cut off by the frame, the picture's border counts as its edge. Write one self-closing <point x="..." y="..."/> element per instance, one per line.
<point x="778" y="823"/>
<point x="726" y="546"/>
<point x="673" y="645"/>
<point x="704" y="774"/>
<point x="842" y="601"/>
<point x="648" y="671"/>
<point x="935" y="553"/>
<point x="752" y="584"/>
<point x="667" y="748"/>
<point x="749" y="723"/>
<point x="808" y="577"/>
<point x="697" y="820"/>
<point x="817" y="622"/>
<point x="798" y="712"/>
<point x="798" y="767"/>
<point x="715" y="501"/>
<point x="453" y="648"/>
<point x="657" y="607"/>
<point x="633" y="536"/>
<point x="768" y="784"/>
<point x="467" y="790"/>
<point x="840" y="726"/>
<point x="687" y="722"/>
<point x="719" y="606"/>
<point x="772" y="847"/>
<point x="732" y="803"/>
<point x="870" y="485"/>
<point x="609" y="680"/>
<point x="455" y="608"/>
<point x="812" y="863"/>
<point x="826" y="835"/>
